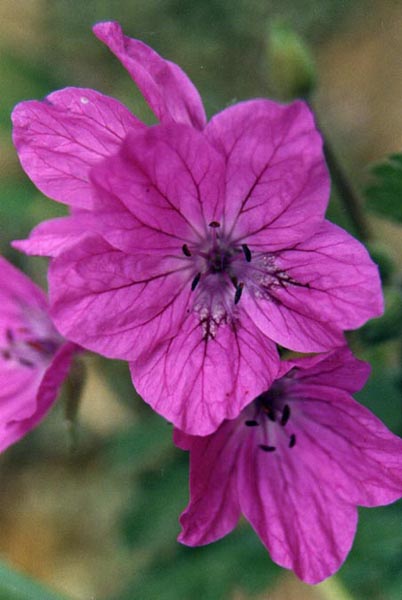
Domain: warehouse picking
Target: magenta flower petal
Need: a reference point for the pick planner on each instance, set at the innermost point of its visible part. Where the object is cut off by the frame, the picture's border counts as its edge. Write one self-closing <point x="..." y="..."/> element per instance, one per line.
<point x="32" y="402"/>
<point x="198" y="382"/>
<point x="187" y="377"/>
<point x="177" y="175"/>
<point x="301" y="522"/>
<point x="322" y="286"/>
<point x="59" y="139"/>
<point x="297" y="460"/>
<point x="34" y="359"/>
<point x="124" y="311"/>
<point x="277" y="184"/>
<point x="51" y="237"/>
<point x="166" y="88"/>
<point x="214" y="509"/>
<point x="340" y="369"/>
<point x="198" y="234"/>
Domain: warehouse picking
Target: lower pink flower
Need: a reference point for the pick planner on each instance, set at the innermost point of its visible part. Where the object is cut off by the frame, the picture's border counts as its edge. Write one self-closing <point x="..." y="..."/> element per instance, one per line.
<point x="34" y="358"/>
<point x="296" y="463"/>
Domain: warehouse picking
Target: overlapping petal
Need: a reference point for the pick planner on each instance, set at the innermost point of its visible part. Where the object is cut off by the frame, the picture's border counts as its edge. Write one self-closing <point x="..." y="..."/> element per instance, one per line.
<point x="60" y="139"/>
<point x="171" y="181"/>
<point x="54" y="236"/>
<point x="95" y="283"/>
<point x="166" y="88"/>
<point x="336" y="369"/>
<point x="277" y="184"/>
<point x="329" y="284"/>
<point x="197" y="383"/>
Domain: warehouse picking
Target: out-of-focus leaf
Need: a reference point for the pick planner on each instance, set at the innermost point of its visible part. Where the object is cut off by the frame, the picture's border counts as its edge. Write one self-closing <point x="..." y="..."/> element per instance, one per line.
<point x="15" y="586"/>
<point x="384" y="196"/>
<point x="239" y="562"/>
<point x="290" y="64"/>
<point x="373" y="570"/>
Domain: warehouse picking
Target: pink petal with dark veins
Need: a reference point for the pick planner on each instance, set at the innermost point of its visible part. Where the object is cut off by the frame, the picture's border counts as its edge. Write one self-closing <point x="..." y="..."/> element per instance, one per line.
<point x="166" y="88"/>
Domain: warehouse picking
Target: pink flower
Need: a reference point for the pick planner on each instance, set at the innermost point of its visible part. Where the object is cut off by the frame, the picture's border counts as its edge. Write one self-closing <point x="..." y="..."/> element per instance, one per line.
<point x="61" y="138"/>
<point x="34" y="358"/>
<point x="195" y="248"/>
<point x="295" y="463"/>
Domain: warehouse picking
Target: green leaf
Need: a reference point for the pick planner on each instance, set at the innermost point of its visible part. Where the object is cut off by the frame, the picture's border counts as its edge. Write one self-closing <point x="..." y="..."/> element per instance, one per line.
<point x="385" y="194"/>
<point x="15" y="586"/>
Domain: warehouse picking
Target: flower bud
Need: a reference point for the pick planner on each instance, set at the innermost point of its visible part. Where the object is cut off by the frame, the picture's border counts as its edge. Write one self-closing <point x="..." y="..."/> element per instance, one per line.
<point x="291" y="66"/>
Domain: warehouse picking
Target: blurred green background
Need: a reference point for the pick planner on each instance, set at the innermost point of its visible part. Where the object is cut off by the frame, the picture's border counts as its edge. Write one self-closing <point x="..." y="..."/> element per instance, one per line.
<point x="98" y="518"/>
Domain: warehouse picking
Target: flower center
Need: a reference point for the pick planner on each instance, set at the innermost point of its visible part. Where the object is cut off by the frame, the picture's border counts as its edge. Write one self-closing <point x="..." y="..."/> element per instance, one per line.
<point x="272" y="413"/>
<point x="31" y="344"/>
<point x="222" y="269"/>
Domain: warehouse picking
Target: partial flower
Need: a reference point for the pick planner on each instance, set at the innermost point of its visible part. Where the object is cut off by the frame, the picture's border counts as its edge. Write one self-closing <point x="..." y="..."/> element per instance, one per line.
<point x="197" y="247"/>
<point x="296" y="463"/>
<point x="34" y="358"/>
<point x="60" y="138"/>
<point x="213" y="249"/>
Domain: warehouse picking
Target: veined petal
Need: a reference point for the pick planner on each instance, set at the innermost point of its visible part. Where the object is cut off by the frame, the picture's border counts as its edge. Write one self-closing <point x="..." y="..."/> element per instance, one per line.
<point x="213" y="510"/>
<point x="166" y="88"/>
<point x="304" y="525"/>
<point x="277" y="184"/>
<point x="347" y="447"/>
<point x="197" y="382"/>
<point x="336" y="369"/>
<point x="100" y="297"/>
<point x="169" y="178"/>
<point x="328" y="284"/>
<point x="60" y="139"/>
<point x="292" y="328"/>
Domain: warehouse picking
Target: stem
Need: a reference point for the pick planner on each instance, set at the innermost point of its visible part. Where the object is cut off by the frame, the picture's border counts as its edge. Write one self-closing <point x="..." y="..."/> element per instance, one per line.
<point x="350" y="200"/>
<point x="348" y="196"/>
